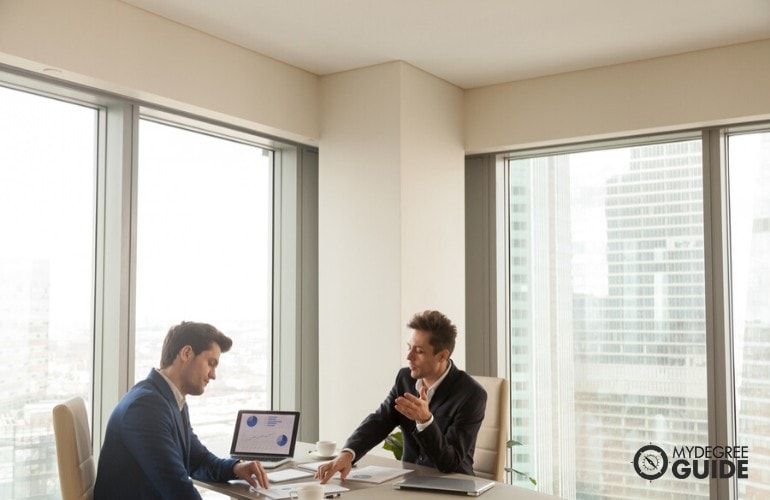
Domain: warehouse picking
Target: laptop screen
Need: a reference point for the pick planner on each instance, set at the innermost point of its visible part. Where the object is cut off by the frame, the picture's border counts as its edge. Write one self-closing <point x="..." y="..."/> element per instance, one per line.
<point x="261" y="433"/>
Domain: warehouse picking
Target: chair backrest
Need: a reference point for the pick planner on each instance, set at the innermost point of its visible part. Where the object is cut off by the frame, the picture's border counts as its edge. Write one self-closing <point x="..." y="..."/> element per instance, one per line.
<point x="489" y="457"/>
<point x="77" y="473"/>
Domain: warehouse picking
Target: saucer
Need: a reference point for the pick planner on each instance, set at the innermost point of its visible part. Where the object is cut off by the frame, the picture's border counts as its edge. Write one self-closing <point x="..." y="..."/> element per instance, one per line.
<point x="318" y="456"/>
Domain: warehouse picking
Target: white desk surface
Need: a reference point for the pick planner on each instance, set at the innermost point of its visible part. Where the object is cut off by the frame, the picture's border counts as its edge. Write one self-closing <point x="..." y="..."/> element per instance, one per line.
<point x="377" y="491"/>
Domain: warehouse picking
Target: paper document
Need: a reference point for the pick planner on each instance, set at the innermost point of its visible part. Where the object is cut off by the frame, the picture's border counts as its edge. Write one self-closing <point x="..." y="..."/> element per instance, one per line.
<point x="376" y="474"/>
<point x="287" y="475"/>
<point x="312" y="465"/>
<point x="280" y="492"/>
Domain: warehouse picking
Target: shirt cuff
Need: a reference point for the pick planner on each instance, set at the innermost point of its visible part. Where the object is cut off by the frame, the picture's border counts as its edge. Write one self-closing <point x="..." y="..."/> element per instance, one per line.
<point x="423" y="426"/>
<point x="351" y="452"/>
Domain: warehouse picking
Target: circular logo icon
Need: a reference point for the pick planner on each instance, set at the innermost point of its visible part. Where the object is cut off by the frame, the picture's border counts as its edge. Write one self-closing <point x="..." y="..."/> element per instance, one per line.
<point x="650" y="462"/>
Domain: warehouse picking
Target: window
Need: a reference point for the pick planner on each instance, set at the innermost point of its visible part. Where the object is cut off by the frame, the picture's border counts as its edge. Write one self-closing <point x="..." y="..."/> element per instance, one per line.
<point x="47" y="199"/>
<point x="204" y="253"/>
<point x="104" y="250"/>
<point x="749" y="181"/>
<point x="602" y="336"/>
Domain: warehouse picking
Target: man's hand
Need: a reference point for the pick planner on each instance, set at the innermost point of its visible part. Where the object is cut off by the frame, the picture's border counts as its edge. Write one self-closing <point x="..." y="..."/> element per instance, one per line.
<point x="342" y="464"/>
<point x="251" y="472"/>
<point x="414" y="408"/>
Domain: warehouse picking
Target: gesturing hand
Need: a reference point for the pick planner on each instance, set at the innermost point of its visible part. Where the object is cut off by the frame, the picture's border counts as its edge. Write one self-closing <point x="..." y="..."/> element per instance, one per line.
<point x="414" y="408"/>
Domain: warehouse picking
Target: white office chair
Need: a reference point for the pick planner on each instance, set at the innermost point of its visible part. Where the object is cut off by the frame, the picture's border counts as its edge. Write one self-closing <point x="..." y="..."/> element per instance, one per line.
<point x="489" y="457"/>
<point x="77" y="472"/>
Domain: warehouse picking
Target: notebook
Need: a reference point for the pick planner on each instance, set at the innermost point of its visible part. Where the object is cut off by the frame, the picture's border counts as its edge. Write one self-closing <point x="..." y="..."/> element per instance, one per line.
<point x="267" y="436"/>
<point x="471" y="487"/>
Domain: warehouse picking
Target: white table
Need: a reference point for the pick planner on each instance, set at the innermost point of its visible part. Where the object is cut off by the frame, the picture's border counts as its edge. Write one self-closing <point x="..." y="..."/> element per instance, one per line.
<point x="382" y="491"/>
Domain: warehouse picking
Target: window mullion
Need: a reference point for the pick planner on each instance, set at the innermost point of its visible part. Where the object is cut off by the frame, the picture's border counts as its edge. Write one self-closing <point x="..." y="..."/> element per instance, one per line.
<point x="114" y="275"/>
<point x="720" y="370"/>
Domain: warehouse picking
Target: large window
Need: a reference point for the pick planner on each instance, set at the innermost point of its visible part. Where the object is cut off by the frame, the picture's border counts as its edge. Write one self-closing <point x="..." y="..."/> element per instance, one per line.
<point x="204" y="253"/>
<point x="48" y="157"/>
<point x="614" y="310"/>
<point x="607" y="315"/>
<point x="120" y="220"/>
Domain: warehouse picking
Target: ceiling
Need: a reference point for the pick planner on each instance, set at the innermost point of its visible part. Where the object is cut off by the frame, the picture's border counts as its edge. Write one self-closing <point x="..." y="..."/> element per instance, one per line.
<point x="471" y="43"/>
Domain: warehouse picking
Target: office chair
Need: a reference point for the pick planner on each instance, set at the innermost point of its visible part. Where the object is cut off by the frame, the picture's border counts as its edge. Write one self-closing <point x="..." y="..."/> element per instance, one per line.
<point x="77" y="472"/>
<point x="489" y="457"/>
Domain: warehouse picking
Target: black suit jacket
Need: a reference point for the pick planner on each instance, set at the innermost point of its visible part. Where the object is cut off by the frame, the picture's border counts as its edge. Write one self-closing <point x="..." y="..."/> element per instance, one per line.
<point x="448" y="443"/>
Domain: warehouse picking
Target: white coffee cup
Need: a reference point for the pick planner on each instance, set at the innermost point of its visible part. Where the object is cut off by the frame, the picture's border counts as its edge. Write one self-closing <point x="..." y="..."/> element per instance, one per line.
<point x="308" y="492"/>
<point x="325" y="448"/>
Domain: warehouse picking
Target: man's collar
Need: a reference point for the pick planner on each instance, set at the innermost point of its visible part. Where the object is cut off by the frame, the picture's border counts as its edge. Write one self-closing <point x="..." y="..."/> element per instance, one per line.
<point x="180" y="400"/>
<point x="432" y="389"/>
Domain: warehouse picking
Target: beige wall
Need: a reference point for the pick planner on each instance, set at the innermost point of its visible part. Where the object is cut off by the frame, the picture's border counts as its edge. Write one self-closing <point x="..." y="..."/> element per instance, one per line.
<point x="708" y="87"/>
<point x="432" y="201"/>
<point x="111" y="45"/>
<point x="391" y="238"/>
<point x="359" y="245"/>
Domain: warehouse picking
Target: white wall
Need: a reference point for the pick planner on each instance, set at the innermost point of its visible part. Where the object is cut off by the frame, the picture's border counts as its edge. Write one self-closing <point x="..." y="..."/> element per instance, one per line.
<point x="391" y="239"/>
<point x="359" y="245"/>
<point x="432" y="201"/>
<point x="117" y="47"/>
<point x="708" y="87"/>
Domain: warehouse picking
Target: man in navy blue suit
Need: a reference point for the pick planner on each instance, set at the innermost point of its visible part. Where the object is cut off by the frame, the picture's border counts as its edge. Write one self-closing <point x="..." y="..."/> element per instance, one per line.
<point x="150" y="450"/>
<point x="438" y="407"/>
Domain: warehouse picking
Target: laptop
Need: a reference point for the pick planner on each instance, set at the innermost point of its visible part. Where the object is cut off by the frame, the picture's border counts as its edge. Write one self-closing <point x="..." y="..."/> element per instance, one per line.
<point x="471" y="486"/>
<point x="267" y="436"/>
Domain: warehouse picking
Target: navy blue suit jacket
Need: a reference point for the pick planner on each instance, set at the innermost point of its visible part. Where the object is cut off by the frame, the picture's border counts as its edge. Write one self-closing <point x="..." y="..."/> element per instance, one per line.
<point x="448" y="443"/>
<point x="149" y="452"/>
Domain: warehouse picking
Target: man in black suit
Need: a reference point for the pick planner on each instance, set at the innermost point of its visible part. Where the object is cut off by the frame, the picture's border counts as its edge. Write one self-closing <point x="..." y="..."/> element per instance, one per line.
<point x="438" y="407"/>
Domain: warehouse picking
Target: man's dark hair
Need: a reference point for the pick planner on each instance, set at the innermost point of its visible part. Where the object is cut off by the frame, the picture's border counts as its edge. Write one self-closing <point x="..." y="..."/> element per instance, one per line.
<point x="442" y="332"/>
<point x="199" y="336"/>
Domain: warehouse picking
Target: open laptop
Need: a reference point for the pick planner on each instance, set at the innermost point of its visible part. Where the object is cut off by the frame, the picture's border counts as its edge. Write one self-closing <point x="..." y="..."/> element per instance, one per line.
<point x="471" y="486"/>
<point x="267" y="436"/>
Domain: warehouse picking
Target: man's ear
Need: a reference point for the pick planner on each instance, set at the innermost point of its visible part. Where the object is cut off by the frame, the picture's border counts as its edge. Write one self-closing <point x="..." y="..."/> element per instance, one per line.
<point x="186" y="353"/>
<point x="444" y="355"/>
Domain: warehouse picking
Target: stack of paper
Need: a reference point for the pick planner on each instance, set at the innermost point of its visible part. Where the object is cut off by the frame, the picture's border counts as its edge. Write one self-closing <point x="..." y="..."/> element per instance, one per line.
<point x="312" y="465"/>
<point x="287" y="474"/>
<point x="284" y="490"/>
<point x="376" y="474"/>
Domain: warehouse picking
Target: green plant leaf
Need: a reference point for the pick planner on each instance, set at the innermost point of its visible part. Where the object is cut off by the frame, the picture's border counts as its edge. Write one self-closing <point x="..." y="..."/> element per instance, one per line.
<point x="395" y="443"/>
<point x="511" y="444"/>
